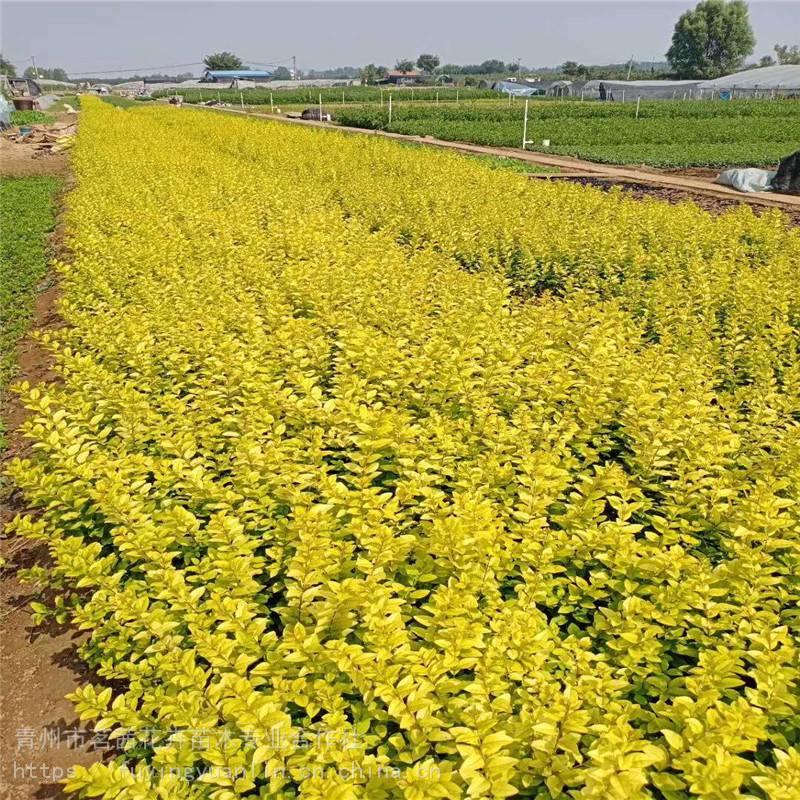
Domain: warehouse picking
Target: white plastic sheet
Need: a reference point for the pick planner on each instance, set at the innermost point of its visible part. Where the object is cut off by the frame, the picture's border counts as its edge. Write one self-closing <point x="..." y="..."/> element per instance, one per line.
<point x="747" y="180"/>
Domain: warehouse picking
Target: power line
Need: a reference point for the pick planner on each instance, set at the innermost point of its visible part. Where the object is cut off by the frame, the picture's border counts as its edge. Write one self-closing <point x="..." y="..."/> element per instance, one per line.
<point x="135" y="69"/>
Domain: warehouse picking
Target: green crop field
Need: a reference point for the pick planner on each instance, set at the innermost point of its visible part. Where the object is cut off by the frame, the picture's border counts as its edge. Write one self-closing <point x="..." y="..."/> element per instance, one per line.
<point x="667" y="133"/>
<point x="27" y="213"/>
<point x="346" y="94"/>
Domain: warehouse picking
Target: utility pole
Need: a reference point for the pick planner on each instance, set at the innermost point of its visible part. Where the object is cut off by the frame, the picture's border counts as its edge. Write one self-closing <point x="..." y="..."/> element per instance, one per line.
<point x="35" y="71"/>
<point x="630" y="67"/>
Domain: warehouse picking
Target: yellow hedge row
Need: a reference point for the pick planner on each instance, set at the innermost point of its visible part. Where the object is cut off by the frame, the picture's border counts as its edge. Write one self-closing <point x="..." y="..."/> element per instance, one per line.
<point x="376" y="473"/>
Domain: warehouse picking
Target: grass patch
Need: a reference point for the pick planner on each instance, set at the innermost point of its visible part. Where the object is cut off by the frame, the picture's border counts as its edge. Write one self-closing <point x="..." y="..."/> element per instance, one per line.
<point x="30" y="117"/>
<point x="60" y="106"/>
<point x="27" y="214"/>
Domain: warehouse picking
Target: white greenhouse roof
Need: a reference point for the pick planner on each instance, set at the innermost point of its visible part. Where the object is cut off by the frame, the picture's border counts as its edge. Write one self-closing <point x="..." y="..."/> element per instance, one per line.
<point x="785" y="76"/>
<point x="595" y="84"/>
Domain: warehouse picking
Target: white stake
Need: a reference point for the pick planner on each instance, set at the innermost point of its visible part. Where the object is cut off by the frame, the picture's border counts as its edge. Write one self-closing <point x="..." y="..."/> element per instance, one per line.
<point x="623" y="95"/>
<point x="638" y="100"/>
<point x="271" y="104"/>
<point x="320" y="106"/>
<point x="437" y="98"/>
<point x="456" y="96"/>
<point x="390" y="111"/>
<point x="525" y="127"/>
<point x="241" y="99"/>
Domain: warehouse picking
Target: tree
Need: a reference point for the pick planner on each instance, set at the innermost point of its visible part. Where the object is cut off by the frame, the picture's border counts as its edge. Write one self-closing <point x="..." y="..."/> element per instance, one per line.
<point x="786" y="54"/>
<point x="574" y="70"/>
<point x="404" y="65"/>
<point x="6" y="67"/>
<point x="427" y="62"/>
<point x="48" y="73"/>
<point x="224" y="60"/>
<point x="492" y="65"/>
<point x="282" y="74"/>
<point x="766" y="61"/>
<point x="371" y="73"/>
<point x="711" y="40"/>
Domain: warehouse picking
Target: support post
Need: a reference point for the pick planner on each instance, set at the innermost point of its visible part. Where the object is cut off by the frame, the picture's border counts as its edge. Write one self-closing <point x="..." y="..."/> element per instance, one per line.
<point x="638" y="101"/>
<point x="390" y="111"/>
<point x="271" y="104"/>
<point x="320" y="106"/>
<point x="241" y="99"/>
<point x="525" y="127"/>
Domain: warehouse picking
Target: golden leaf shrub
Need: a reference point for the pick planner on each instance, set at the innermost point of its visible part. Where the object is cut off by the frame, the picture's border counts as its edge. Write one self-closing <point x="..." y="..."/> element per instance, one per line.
<point x="375" y="473"/>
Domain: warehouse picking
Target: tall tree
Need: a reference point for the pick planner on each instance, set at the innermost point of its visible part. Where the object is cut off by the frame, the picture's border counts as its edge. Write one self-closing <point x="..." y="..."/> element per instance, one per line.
<point x="6" y="67"/>
<point x="371" y="73"/>
<point x="786" y="54"/>
<point x="494" y="65"/>
<point x="427" y="62"/>
<point x="282" y="74"/>
<point x="224" y="60"/>
<point x="404" y="65"/>
<point x="712" y="40"/>
<point x="49" y="73"/>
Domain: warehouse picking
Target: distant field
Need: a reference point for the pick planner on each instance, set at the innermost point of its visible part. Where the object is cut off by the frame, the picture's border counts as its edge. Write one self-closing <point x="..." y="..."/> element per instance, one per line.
<point x="667" y="134"/>
<point x="347" y="94"/>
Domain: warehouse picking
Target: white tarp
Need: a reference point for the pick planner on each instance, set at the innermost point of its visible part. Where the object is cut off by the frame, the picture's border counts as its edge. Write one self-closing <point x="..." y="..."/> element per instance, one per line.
<point x="647" y="90"/>
<point x="747" y="180"/>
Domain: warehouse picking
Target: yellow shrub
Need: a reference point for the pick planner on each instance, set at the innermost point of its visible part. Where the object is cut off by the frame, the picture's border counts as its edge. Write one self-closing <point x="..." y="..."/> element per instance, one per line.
<point x="375" y="473"/>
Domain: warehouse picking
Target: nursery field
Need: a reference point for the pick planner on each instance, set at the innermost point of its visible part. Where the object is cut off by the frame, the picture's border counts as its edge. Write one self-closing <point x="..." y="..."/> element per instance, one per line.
<point x="375" y="472"/>
<point x="311" y="94"/>
<point x="667" y="133"/>
<point x="27" y="215"/>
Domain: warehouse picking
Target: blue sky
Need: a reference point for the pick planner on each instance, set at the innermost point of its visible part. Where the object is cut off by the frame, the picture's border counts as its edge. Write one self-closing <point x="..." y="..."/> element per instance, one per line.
<point x="96" y="37"/>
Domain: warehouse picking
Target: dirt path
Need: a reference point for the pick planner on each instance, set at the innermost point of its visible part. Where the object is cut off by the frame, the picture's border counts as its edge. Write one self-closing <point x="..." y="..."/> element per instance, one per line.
<point x="40" y="737"/>
<point x="695" y="184"/>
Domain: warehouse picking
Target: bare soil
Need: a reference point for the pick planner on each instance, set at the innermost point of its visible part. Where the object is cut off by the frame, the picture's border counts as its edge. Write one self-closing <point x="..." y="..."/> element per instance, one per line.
<point x="21" y="160"/>
<point x="715" y="205"/>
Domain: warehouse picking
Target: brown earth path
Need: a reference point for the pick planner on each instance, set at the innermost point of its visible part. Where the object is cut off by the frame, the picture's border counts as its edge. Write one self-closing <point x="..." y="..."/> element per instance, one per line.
<point x="697" y="184"/>
<point x="40" y="737"/>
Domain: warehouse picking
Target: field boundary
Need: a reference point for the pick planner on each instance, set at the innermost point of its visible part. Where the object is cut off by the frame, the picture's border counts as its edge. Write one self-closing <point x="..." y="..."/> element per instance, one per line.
<point x="567" y="163"/>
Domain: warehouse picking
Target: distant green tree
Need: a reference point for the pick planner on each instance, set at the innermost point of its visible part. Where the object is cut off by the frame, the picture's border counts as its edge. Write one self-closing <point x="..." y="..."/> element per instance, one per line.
<point x="494" y="65"/>
<point x="786" y="54"/>
<point x="371" y="73"/>
<point x="404" y="65"/>
<point x="427" y="62"/>
<point x="711" y="40"/>
<point x="6" y="67"/>
<point x="766" y="61"/>
<point x="49" y="73"/>
<point x="282" y="74"/>
<point x="574" y="70"/>
<point x="224" y="60"/>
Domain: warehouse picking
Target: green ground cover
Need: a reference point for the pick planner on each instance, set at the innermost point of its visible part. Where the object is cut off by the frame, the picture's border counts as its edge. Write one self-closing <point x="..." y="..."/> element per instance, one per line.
<point x="666" y="134"/>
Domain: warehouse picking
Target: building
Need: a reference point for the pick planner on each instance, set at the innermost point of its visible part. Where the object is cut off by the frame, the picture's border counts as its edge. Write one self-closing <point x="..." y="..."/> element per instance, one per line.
<point x="20" y="87"/>
<point x="401" y="77"/>
<point x="231" y="75"/>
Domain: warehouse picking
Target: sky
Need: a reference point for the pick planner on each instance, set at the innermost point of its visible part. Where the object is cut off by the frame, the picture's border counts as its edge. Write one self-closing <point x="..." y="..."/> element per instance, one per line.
<point x="98" y="37"/>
